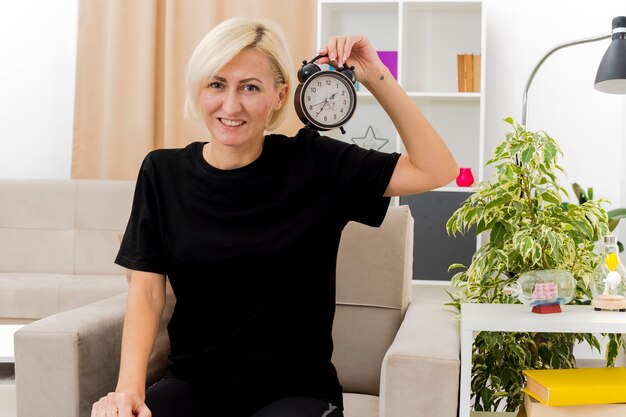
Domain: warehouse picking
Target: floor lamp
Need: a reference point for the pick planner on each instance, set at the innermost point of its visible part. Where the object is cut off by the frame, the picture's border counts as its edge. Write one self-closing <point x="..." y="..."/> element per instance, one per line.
<point x="611" y="75"/>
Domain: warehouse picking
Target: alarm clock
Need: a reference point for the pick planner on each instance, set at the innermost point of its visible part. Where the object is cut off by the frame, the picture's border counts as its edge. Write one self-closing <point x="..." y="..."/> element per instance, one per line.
<point x="325" y="99"/>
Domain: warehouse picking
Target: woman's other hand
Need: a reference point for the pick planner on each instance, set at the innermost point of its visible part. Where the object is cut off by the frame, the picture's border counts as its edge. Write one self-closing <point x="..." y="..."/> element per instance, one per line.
<point x="120" y="404"/>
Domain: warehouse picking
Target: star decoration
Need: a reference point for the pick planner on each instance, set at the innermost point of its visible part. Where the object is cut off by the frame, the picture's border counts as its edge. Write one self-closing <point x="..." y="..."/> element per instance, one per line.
<point x="370" y="141"/>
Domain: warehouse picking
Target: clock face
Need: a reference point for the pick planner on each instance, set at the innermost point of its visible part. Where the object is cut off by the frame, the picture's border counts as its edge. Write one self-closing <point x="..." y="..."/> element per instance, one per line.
<point x="328" y="99"/>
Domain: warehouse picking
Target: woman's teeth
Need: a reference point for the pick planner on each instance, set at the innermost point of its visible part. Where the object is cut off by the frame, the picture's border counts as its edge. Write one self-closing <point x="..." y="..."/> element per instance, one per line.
<point x="233" y="123"/>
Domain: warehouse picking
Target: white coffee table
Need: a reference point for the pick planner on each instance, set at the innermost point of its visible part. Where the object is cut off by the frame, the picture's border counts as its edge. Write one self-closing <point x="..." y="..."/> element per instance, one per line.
<point x="7" y="382"/>
<point x="519" y="318"/>
<point x="7" y="331"/>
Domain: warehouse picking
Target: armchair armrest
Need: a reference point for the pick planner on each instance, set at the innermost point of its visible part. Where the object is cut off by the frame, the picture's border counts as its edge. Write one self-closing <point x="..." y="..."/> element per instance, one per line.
<point x="421" y="369"/>
<point x="65" y="362"/>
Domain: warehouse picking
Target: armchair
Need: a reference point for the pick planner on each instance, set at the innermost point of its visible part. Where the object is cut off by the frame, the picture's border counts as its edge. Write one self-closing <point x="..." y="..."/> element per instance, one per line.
<point x="394" y="358"/>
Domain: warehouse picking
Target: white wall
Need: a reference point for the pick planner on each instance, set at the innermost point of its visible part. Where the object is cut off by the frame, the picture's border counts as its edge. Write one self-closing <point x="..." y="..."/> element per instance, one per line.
<point x="37" y="56"/>
<point x="38" y="44"/>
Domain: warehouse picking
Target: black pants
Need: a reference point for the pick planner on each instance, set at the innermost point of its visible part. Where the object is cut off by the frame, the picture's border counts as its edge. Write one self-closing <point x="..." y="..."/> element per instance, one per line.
<point x="175" y="397"/>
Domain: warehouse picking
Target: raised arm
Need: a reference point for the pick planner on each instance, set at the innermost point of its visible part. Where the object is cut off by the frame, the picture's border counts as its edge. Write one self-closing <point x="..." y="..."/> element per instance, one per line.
<point x="429" y="163"/>
<point x="146" y="301"/>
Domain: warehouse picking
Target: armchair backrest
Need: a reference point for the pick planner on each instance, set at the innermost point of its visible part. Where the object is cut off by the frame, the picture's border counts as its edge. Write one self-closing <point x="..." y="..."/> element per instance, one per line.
<point x="71" y="225"/>
<point x="374" y="273"/>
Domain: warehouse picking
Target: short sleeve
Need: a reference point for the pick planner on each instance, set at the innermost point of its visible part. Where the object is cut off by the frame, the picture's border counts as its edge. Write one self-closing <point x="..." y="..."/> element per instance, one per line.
<point x="365" y="175"/>
<point x="359" y="177"/>
<point x="141" y="248"/>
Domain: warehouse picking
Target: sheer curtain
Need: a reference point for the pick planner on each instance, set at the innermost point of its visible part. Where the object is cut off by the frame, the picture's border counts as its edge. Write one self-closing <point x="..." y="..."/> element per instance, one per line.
<point x="130" y="68"/>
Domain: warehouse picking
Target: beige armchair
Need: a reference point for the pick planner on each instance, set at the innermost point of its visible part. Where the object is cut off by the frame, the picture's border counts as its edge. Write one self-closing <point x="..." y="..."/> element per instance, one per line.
<point x="394" y="358"/>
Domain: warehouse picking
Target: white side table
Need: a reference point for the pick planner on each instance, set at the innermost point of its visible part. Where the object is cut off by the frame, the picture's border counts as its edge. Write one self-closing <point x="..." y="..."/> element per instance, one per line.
<point x="7" y="331"/>
<point x="519" y="318"/>
<point x="7" y="382"/>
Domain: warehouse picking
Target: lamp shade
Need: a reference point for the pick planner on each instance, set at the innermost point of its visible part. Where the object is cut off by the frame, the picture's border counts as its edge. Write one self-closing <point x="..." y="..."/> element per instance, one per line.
<point x="611" y="75"/>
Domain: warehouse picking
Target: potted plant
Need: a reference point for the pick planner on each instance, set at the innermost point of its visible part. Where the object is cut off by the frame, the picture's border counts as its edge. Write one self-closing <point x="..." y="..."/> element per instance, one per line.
<point x="529" y="227"/>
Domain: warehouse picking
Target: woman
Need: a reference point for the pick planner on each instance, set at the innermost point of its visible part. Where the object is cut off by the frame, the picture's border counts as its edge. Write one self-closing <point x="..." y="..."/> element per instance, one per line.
<point x="247" y="227"/>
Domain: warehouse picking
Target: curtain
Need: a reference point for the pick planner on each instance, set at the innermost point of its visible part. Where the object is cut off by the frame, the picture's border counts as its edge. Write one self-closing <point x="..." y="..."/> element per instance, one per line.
<point x="131" y="58"/>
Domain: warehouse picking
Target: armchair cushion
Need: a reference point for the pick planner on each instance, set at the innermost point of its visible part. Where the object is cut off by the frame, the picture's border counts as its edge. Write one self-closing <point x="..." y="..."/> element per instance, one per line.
<point x="374" y="271"/>
<point x="360" y="405"/>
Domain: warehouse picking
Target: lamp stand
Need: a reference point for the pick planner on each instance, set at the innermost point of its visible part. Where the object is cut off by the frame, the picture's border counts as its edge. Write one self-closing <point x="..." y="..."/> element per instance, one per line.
<point x="545" y="56"/>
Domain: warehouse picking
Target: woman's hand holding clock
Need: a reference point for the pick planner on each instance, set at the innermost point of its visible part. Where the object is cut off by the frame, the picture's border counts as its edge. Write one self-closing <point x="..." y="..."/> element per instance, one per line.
<point x="354" y="50"/>
<point x="326" y="100"/>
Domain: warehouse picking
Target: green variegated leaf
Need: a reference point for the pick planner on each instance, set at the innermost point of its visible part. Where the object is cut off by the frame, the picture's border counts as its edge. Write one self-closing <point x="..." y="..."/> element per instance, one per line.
<point x="518" y="352"/>
<point x="580" y="193"/>
<point x="528" y="154"/>
<point x="549" y="152"/>
<point x="536" y="253"/>
<point x="497" y="233"/>
<point x="554" y="248"/>
<point x="497" y="203"/>
<point x="451" y="227"/>
<point x="584" y="228"/>
<point x="526" y="246"/>
<point x="551" y="197"/>
<point x="611" y="350"/>
<point x="455" y="266"/>
<point x="468" y="212"/>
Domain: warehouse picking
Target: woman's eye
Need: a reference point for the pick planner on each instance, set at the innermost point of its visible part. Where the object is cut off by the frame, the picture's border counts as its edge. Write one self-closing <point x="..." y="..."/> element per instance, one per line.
<point x="250" y="87"/>
<point x="215" y="84"/>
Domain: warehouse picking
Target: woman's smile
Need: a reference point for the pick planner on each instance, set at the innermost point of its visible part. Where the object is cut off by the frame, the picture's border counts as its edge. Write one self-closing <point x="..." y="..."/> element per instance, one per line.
<point x="231" y="123"/>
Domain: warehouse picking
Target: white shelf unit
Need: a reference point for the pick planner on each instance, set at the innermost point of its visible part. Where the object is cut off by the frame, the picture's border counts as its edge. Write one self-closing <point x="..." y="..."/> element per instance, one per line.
<point x="427" y="35"/>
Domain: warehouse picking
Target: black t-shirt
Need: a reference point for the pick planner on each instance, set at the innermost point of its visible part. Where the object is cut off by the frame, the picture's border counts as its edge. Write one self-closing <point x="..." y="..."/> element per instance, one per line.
<point x="251" y="255"/>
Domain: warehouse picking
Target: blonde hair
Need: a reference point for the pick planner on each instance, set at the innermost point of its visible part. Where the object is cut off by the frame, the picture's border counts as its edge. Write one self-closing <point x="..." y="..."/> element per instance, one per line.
<point x="222" y="44"/>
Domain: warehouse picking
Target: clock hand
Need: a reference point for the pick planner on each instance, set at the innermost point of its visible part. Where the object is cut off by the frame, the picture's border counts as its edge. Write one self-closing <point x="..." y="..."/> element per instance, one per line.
<point x="321" y="108"/>
<point x="327" y="104"/>
<point x="327" y="99"/>
<point x="324" y="103"/>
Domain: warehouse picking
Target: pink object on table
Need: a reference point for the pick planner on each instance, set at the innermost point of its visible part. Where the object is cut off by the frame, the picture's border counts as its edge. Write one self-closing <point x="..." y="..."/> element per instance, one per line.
<point x="545" y="291"/>
<point x="465" y="178"/>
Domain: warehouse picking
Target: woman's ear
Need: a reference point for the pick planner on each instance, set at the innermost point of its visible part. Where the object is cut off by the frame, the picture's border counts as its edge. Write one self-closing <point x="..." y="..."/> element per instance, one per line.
<point x="282" y="94"/>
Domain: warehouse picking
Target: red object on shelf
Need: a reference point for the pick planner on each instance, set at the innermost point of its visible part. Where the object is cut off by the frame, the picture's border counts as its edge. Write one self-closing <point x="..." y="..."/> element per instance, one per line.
<point x="465" y="178"/>
<point x="547" y="309"/>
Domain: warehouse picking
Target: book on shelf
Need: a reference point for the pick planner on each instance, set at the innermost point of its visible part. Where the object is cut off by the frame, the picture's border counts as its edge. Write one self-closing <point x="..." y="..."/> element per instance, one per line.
<point x="534" y="408"/>
<point x="460" y="61"/>
<point x="465" y="72"/>
<point x="476" y="73"/>
<point x="468" y="71"/>
<point x="390" y="60"/>
<point x="577" y="386"/>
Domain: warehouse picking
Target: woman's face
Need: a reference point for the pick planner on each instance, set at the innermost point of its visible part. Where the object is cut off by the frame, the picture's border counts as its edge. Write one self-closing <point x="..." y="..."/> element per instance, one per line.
<point x="237" y="101"/>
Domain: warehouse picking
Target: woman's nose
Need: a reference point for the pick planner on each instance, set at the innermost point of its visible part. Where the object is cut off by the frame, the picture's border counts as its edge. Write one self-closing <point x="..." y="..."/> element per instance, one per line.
<point x="232" y="101"/>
